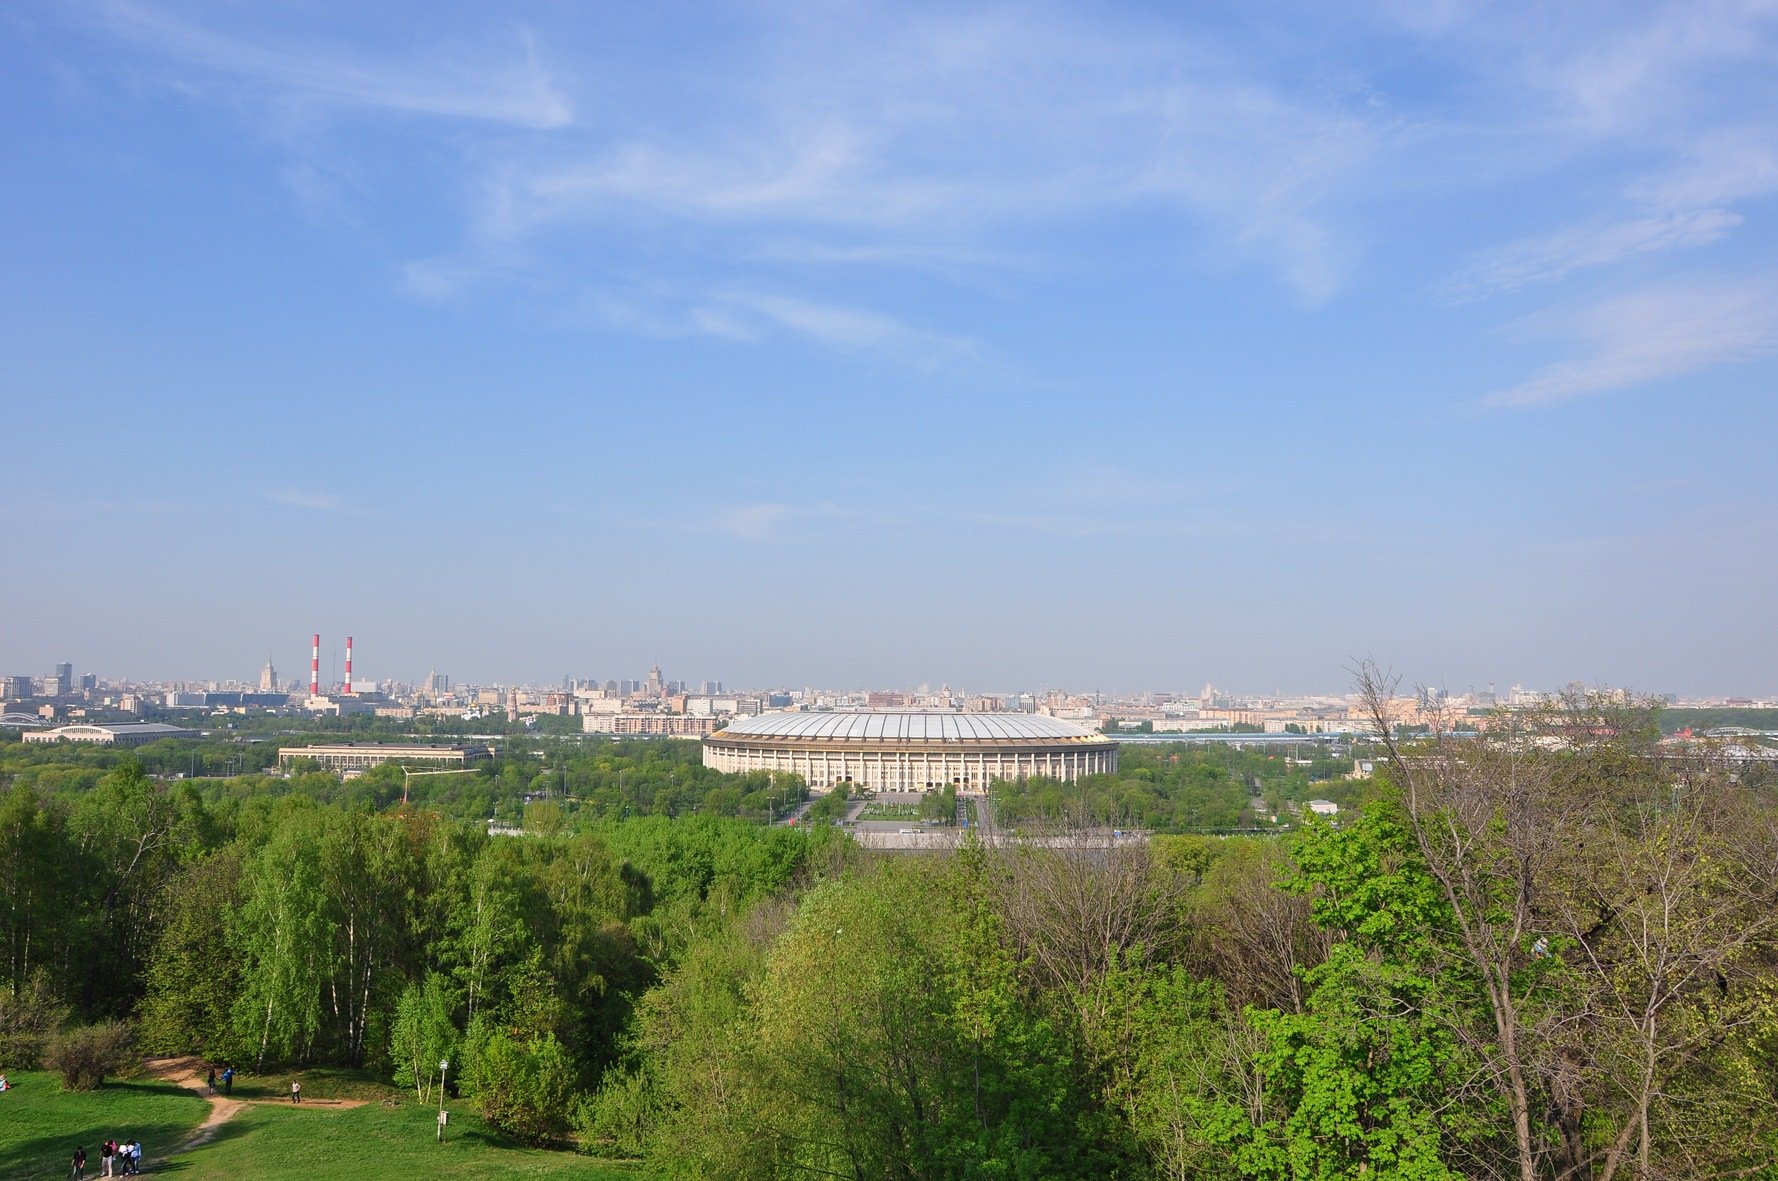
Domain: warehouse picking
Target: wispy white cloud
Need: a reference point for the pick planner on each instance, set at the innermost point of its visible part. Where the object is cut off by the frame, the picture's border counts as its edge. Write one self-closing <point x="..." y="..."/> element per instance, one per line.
<point x="1663" y="91"/>
<point x="518" y="91"/>
<point x="1043" y="512"/>
<point x="667" y="311"/>
<point x="1644" y="337"/>
<point x="838" y="326"/>
<point x="946" y="133"/>
<point x="752" y="522"/>
<point x="769" y="522"/>
<point x="1715" y="167"/>
<point x="1556" y="256"/>
<point x="321" y="502"/>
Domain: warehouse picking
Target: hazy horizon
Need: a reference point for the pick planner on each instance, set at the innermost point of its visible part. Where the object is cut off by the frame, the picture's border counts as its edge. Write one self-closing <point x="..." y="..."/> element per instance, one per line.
<point x="877" y="344"/>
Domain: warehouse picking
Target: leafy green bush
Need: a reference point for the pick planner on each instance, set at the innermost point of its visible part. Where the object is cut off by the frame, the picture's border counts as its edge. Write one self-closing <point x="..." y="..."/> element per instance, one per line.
<point x="523" y="1087"/>
<point x="85" y="1055"/>
<point x="617" y="1117"/>
<point x="29" y="1018"/>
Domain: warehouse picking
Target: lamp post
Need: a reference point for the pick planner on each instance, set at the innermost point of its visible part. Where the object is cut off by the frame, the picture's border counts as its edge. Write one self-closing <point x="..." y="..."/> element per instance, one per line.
<point x="444" y="1064"/>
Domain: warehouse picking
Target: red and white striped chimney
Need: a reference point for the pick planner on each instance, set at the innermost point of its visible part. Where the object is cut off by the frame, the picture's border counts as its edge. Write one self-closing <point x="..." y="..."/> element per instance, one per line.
<point x="315" y="668"/>
<point x="348" y="664"/>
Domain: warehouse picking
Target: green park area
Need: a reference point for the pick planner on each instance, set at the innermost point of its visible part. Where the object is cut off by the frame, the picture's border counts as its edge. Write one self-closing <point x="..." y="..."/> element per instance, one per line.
<point x="40" y="1123"/>
<point x="887" y="811"/>
<point x="647" y="969"/>
<point x="387" y="1134"/>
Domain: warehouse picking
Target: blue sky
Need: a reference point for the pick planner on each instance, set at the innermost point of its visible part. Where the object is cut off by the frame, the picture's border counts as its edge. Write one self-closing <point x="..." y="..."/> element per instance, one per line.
<point x="1108" y="346"/>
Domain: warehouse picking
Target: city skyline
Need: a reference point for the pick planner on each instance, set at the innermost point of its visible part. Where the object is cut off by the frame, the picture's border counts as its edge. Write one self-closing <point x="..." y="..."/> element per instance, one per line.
<point x="329" y="678"/>
<point x="879" y="344"/>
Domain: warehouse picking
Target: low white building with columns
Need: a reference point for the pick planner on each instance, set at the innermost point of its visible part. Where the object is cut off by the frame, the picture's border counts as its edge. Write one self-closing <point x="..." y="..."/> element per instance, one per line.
<point x="904" y="751"/>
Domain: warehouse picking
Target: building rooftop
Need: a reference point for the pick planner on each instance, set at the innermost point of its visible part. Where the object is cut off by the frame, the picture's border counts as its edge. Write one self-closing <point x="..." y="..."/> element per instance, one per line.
<point x="909" y="727"/>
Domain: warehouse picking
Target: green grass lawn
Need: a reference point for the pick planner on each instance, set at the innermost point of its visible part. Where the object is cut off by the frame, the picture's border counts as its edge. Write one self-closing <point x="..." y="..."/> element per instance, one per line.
<point x="305" y="1143"/>
<point x="320" y="1082"/>
<point x="391" y="1136"/>
<point x="40" y="1123"/>
<point x="890" y="812"/>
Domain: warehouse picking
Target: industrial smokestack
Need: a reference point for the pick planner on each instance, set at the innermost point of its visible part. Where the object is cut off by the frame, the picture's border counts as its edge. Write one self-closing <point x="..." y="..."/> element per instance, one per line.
<point x="315" y="668"/>
<point x="348" y="664"/>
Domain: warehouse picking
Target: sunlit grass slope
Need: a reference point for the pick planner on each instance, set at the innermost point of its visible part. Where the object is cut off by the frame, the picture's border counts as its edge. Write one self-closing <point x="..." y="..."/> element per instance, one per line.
<point x="40" y="1123"/>
<point x="274" y="1142"/>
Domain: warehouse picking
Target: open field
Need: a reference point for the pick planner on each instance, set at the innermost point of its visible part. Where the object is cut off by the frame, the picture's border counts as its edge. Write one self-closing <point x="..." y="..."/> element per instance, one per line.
<point x="40" y="1123"/>
<point x="384" y="1134"/>
<point x="272" y="1142"/>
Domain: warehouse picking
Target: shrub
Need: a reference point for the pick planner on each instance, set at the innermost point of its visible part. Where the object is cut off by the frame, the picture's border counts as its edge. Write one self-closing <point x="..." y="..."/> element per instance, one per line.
<point x="84" y="1056"/>
<point x="523" y="1087"/>
<point x="617" y="1117"/>
<point x="29" y="1018"/>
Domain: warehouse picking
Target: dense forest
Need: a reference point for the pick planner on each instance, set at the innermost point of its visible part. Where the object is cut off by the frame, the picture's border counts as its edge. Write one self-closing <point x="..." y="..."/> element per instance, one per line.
<point x="1547" y="952"/>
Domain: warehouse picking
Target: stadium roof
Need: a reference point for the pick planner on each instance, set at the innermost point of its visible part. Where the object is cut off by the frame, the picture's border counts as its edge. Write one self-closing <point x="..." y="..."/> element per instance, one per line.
<point x="128" y="729"/>
<point x="909" y="727"/>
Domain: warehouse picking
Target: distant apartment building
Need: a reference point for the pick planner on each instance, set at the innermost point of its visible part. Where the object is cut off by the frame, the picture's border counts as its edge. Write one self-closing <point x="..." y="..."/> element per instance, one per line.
<point x="659" y="725"/>
<point x="353" y="757"/>
<point x="340" y="705"/>
<point x="724" y="706"/>
<point x="559" y="705"/>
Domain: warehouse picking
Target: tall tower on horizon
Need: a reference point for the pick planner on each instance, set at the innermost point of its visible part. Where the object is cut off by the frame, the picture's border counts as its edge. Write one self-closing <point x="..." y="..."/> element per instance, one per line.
<point x="268" y="676"/>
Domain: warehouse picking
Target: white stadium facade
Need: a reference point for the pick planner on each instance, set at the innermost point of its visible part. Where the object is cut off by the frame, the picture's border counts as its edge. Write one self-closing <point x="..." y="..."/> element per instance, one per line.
<point x="910" y="751"/>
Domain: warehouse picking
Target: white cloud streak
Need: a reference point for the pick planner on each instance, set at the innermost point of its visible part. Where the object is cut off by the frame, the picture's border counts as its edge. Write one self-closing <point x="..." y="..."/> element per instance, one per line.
<point x="320" y="502"/>
<point x="1553" y="258"/>
<point x="841" y="327"/>
<point x="1646" y="337"/>
<point x="769" y="522"/>
<point x="519" y="94"/>
<point x="881" y="137"/>
<point x="667" y="312"/>
<point x="1669" y="85"/>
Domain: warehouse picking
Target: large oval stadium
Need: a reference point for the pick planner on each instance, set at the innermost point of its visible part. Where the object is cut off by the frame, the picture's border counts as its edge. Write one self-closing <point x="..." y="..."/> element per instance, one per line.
<point x="910" y="751"/>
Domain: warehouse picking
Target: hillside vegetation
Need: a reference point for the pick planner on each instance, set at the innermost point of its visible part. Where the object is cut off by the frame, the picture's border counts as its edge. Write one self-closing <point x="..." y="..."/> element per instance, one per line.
<point x="1548" y="952"/>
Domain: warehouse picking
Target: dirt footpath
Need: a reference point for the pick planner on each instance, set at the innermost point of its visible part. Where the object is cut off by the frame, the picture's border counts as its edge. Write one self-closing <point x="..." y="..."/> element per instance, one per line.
<point x="189" y="1072"/>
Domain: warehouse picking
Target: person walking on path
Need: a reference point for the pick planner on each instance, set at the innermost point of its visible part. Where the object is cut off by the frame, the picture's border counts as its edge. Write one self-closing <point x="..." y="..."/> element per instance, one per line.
<point x="107" y="1153"/>
<point x="228" y="1080"/>
<point x="77" y="1168"/>
<point x="296" y="1091"/>
<point x="135" y="1156"/>
<point x="211" y="1081"/>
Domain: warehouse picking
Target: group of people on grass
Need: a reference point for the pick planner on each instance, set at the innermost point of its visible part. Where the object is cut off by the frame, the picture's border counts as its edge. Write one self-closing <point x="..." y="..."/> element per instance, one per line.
<point x="123" y="1160"/>
<point x="119" y="1160"/>
<point x="228" y="1084"/>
